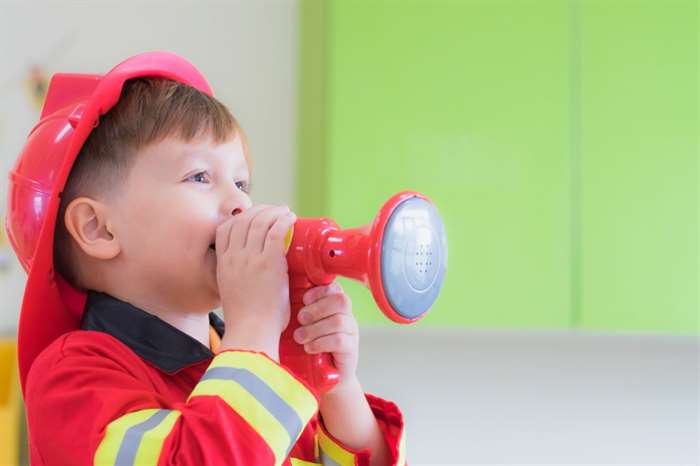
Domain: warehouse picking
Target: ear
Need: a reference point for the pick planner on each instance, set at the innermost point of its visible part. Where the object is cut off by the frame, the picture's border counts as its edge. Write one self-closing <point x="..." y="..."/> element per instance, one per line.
<point x="88" y="222"/>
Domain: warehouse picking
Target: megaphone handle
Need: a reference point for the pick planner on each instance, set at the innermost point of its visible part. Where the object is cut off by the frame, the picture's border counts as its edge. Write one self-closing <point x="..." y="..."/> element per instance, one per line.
<point x="316" y="369"/>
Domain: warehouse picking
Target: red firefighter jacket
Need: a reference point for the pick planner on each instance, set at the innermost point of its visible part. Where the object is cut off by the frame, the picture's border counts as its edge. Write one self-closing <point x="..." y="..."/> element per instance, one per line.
<point x="130" y="389"/>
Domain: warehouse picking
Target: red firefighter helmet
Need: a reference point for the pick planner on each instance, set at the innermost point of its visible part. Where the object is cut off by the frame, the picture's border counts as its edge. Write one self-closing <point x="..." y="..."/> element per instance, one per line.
<point x="73" y="106"/>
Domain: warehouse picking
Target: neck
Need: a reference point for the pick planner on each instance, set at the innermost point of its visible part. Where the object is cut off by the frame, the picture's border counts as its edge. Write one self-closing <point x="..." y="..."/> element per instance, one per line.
<point x="194" y="324"/>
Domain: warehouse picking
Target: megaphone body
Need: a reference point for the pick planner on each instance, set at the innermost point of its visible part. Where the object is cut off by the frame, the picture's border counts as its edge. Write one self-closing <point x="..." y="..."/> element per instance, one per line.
<point x="401" y="257"/>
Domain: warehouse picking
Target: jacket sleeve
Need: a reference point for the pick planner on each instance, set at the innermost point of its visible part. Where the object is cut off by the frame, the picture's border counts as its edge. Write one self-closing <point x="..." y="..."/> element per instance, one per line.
<point x="391" y="423"/>
<point x="86" y="409"/>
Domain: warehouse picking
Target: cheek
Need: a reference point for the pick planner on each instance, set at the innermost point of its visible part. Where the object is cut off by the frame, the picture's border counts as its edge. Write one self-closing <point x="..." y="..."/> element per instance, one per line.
<point x="187" y="223"/>
<point x="193" y="215"/>
<point x="168" y="222"/>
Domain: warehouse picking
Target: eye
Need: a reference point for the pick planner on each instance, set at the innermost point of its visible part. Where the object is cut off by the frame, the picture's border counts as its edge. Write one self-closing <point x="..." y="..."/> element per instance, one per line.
<point x="244" y="186"/>
<point x="198" y="176"/>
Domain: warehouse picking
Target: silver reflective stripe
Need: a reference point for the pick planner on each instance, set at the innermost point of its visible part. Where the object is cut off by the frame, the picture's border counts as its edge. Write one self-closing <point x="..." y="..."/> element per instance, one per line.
<point x="132" y="438"/>
<point x="267" y="397"/>
<point x="327" y="460"/>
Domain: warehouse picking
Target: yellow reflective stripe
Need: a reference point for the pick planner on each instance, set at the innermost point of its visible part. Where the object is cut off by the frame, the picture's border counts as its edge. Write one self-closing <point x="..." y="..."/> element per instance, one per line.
<point x="136" y="438"/>
<point x="152" y="442"/>
<point x="279" y="380"/>
<point x="333" y="454"/>
<point x="106" y="453"/>
<point x="275" y="404"/>
<point x="250" y="409"/>
<point x="402" y="449"/>
<point x="298" y="462"/>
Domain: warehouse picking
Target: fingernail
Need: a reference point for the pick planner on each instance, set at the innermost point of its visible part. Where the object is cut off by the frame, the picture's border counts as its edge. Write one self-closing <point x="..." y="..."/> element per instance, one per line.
<point x="307" y="298"/>
<point x="303" y="317"/>
<point x="299" y="335"/>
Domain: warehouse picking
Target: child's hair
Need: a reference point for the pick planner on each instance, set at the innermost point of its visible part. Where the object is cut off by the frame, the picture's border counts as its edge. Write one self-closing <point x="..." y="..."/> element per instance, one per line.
<point x="148" y="111"/>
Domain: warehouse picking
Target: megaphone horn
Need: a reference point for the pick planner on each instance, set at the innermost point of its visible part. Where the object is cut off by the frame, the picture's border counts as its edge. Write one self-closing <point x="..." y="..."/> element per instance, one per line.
<point x="401" y="257"/>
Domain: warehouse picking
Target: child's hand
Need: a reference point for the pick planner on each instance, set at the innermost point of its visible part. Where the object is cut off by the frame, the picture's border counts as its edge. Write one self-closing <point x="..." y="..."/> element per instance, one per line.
<point x="328" y="326"/>
<point x="252" y="278"/>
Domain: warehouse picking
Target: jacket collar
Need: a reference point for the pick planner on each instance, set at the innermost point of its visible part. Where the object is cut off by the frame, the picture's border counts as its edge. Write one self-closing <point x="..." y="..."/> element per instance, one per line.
<point x="151" y="338"/>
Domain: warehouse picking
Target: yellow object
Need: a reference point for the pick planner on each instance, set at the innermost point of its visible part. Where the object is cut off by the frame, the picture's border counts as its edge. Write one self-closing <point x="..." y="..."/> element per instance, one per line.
<point x="214" y="340"/>
<point x="147" y="451"/>
<point x="244" y="380"/>
<point x="334" y="451"/>
<point x="298" y="462"/>
<point x="288" y="239"/>
<point x="3" y="239"/>
<point x="10" y="404"/>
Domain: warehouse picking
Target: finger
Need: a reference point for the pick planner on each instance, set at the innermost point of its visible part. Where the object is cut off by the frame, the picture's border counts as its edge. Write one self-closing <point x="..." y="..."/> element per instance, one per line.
<point x="229" y="229"/>
<point x="324" y="307"/>
<point x="334" y="343"/>
<point x="318" y="292"/>
<point x="223" y="235"/>
<point x="274" y="240"/>
<point x="260" y="226"/>
<point x="239" y="229"/>
<point x="336" y="323"/>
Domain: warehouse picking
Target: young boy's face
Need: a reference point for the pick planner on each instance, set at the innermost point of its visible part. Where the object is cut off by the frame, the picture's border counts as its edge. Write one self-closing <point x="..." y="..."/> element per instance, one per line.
<point x="174" y="198"/>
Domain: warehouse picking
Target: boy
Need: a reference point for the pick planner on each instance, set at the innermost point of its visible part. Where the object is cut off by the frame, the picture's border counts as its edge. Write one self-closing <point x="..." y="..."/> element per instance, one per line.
<point x="134" y="186"/>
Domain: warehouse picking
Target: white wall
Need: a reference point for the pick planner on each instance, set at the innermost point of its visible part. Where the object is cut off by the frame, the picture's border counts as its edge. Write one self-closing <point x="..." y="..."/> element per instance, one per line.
<point x="246" y="49"/>
<point x="478" y="398"/>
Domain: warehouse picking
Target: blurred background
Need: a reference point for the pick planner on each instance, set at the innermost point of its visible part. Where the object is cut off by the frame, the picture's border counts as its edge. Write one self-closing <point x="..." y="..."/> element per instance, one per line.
<point x="560" y="142"/>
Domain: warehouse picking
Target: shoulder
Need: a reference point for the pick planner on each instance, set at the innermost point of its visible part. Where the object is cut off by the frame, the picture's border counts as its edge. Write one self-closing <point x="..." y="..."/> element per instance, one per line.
<point x="78" y="385"/>
<point x="84" y="343"/>
<point x="82" y="350"/>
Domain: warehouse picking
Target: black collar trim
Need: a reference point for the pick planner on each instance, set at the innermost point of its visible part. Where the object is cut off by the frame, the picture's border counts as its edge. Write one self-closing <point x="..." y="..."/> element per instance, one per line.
<point x="151" y="338"/>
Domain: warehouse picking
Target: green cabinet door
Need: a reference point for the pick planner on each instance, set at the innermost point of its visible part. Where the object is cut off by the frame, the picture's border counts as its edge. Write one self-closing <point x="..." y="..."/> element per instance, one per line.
<point x="639" y="165"/>
<point x="467" y="102"/>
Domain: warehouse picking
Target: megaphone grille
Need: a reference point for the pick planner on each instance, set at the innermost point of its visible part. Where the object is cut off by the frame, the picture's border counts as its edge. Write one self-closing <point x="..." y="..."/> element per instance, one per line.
<point x="414" y="257"/>
<point x="424" y="270"/>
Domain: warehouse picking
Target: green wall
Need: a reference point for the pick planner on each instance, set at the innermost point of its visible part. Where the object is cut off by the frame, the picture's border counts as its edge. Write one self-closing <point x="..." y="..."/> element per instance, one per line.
<point x="640" y="199"/>
<point x="521" y="121"/>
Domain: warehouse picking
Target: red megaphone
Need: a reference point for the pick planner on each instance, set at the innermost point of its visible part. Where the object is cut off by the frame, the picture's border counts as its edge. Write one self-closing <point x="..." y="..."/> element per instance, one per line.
<point x="401" y="257"/>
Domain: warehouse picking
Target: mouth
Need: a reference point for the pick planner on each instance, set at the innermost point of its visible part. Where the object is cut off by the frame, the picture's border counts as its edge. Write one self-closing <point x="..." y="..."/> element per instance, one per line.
<point x="212" y="247"/>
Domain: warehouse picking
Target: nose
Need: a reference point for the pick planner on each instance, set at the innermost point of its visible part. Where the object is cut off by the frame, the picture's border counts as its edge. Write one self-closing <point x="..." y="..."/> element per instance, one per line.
<point x="235" y="209"/>
<point x="235" y="203"/>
